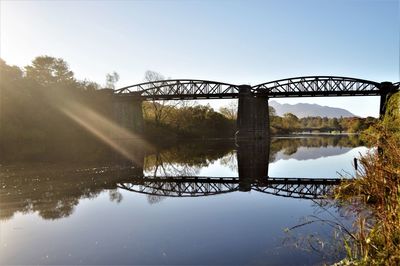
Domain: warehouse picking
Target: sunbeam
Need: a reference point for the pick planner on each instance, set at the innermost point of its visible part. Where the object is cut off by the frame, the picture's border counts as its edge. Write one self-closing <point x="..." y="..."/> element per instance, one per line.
<point x="119" y="139"/>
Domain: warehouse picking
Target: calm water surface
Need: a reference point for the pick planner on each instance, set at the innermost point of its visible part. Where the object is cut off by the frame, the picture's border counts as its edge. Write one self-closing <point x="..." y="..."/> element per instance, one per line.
<point x="208" y="202"/>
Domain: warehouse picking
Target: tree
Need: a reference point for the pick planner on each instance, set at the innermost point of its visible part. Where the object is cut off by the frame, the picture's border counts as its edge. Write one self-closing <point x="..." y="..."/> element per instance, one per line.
<point x="151" y="76"/>
<point x="230" y="111"/>
<point x="12" y="98"/>
<point x="271" y="111"/>
<point x="47" y="70"/>
<point x="290" y="121"/>
<point x="111" y="80"/>
<point x="355" y="125"/>
<point x="158" y="107"/>
<point x="9" y="73"/>
<point x="334" y="123"/>
<point x="325" y="122"/>
<point x="87" y="85"/>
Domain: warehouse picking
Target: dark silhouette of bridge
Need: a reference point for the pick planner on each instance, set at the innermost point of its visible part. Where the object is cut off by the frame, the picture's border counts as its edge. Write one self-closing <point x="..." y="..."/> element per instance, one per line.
<point x="53" y="191"/>
<point x="253" y="118"/>
<point x="252" y="165"/>
<point x="197" y="186"/>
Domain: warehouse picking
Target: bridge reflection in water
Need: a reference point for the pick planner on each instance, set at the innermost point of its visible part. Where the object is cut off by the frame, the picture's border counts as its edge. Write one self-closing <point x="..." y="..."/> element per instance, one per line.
<point x="185" y="186"/>
<point x="252" y="160"/>
<point x="54" y="190"/>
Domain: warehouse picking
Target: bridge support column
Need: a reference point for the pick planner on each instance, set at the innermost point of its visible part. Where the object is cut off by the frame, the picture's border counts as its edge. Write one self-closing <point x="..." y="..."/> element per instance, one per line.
<point x="128" y="113"/>
<point x="253" y="160"/>
<point x="387" y="89"/>
<point x="253" y="115"/>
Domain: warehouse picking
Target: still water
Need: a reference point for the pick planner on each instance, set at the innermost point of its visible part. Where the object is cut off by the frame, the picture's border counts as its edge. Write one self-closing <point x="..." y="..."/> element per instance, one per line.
<point x="204" y="202"/>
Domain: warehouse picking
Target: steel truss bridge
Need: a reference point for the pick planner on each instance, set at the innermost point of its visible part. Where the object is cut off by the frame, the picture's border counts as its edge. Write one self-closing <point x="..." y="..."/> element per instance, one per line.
<point x="309" y="86"/>
<point x="189" y="186"/>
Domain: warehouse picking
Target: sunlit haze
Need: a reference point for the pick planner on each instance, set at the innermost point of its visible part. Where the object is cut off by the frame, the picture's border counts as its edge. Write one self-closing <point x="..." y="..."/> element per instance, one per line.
<point x="236" y="42"/>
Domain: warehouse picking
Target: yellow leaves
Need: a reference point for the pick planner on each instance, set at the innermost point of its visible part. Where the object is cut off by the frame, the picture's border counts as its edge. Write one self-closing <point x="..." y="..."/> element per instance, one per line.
<point x="378" y="189"/>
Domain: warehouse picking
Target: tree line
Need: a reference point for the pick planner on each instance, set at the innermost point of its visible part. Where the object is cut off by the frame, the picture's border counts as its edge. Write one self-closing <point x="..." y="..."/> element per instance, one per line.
<point x="33" y="118"/>
<point x="24" y="189"/>
<point x="289" y="123"/>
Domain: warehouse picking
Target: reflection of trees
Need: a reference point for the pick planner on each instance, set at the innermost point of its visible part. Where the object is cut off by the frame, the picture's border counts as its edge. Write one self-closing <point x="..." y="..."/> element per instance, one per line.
<point x="290" y="145"/>
<point x="154" y="199"/>
<point x="230" y="161"/>
<point x="183" y="160"/>
<point x="53" y="192"/>
<point x="164" y="164"/>
<point x="115" y="195"/>
<point x="186" y="159"/>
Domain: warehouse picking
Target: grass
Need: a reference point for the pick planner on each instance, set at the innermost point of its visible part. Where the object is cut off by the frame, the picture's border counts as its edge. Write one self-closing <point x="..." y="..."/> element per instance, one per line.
<point x="374" y="196"/>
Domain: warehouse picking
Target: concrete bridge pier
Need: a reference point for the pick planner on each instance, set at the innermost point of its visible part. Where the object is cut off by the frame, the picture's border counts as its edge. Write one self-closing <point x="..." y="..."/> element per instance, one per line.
<point x="253" y="115"/>
<point x="253" y="160"/>
<point x="128" y="113"/>
<point x="127" y="136"/>
<point x="387" y="90"/>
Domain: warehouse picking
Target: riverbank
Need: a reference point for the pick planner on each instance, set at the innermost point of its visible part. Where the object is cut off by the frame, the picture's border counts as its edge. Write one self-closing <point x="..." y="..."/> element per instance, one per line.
<point x="374" y="196"/>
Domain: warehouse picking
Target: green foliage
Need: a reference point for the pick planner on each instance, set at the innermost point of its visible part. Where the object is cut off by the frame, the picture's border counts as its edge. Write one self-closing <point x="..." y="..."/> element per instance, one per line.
<point x="46" y="70"/>
<point x="290" y="145"/>
<point x="111" y="80"/>
<point x="31" y="119"/>
<point x="374" y="196"/>
<point x="189" y="121"/>
<point x="230" y="111"/>
<point x="391" y="120"/>
<point x="290" y="123"/>
<point x="53" y="190"/>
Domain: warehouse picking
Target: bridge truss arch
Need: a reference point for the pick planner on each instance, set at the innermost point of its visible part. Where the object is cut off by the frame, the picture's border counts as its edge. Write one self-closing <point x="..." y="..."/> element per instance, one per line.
<point x="301" y="188"/>
<point x="318" y="86"/>
<point x="182" y="186"/>
<point x="179" y="89"/>
<point x="187" y="186"/>
<point x="307" y="86"/>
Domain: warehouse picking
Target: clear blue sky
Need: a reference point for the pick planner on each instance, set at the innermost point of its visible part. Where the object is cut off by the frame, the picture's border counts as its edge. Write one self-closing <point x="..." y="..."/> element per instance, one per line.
<point x="247" y="42"/>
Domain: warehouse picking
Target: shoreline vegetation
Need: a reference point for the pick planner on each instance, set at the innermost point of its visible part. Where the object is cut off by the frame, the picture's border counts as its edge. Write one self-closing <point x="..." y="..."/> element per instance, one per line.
<point x="373" y="195"/>
<point x="33" y="123"/>
<point x="33" y="117"/>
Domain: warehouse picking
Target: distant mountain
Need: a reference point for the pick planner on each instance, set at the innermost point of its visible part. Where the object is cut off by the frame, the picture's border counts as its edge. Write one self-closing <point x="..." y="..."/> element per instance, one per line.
<point x="306" y="109"/>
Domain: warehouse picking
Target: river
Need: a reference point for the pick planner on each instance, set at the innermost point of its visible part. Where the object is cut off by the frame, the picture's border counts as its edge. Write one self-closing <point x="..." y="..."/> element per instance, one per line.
<point x="200" y="202"/>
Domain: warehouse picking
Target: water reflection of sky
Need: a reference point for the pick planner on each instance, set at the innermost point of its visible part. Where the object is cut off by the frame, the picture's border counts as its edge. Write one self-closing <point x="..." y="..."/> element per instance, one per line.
<point x="327" y="166"/>
<point x="333" y="163"/>
<point x="234" y="228"/>
<point x="237" y="228"/>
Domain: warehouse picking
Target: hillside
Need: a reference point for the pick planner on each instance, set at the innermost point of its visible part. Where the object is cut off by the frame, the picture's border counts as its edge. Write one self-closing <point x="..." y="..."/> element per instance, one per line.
<point x="306" y="109"/>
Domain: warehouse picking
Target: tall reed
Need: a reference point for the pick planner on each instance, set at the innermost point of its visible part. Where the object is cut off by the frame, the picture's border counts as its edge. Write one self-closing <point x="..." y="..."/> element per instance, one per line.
<point x="374" y="195"/>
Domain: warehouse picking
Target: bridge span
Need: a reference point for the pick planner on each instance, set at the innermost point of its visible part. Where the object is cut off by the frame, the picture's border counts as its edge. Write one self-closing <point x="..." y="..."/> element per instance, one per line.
<point x="197" y="186"/>
<point x="253" y="119"/>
